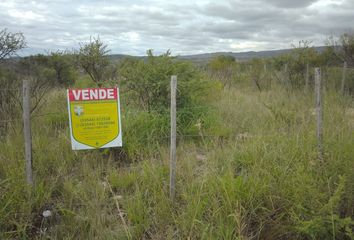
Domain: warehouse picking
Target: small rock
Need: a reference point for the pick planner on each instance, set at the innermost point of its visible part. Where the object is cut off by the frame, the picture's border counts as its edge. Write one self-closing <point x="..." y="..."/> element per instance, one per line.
<point x="47" y="213"/>
<point x="201" y="157"/>
<point x="118" y="197"/>
<point x="312" y="111"/>
<point x="243" y="136"/>
<point x="104" y="184"/>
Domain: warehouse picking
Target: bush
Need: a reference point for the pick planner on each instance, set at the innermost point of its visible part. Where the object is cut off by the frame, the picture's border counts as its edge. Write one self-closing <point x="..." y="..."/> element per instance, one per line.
<point x="223" y="68"/>
<point x="63" y="65"/>
<point x="10" y="95"/>
<point x="296" y="61"/>
<point x="146" y="88"/>
<point x="148" y="82"/>
<point x="258" y="74"/>
<point x="92" y="58"/>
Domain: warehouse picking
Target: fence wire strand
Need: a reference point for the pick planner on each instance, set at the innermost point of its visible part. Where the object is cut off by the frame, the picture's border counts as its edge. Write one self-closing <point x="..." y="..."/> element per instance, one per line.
<point x="10" y="90"/>
<point x="152" y="137"/>
<point x="7" y="120"/>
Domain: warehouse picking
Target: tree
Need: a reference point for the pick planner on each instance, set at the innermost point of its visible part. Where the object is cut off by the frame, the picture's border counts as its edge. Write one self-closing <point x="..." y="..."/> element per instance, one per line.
<point x="148" y="81"/>
<point x="92" y="57"/>
<point x="10" y="43"/>
<point x="301" y="55"/>
<point x="42" y="77"/>
<point x="63" y="65"/>
<point x="294" y="64"/>
<point x="347" y="49"/>
<point x="341" y="49"/>
<point x="223" y="68"/>
<point x="32" y="68"/>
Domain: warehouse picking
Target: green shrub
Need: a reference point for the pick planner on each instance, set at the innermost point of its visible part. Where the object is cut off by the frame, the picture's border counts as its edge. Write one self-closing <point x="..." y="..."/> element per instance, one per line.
<point x="10" y="95"/>
<point x="224" y="68"/>
<point x="63" y="65"/>
<point x="148" y="81"/>
<point x="145" y="88"/>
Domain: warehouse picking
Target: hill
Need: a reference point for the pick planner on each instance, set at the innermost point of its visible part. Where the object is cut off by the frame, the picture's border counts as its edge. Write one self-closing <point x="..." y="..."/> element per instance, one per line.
<point x="204" y="57"/>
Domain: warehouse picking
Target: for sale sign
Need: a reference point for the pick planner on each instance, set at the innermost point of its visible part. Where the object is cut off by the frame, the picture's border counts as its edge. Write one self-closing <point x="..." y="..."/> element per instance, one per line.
<point x="94" y="117"/>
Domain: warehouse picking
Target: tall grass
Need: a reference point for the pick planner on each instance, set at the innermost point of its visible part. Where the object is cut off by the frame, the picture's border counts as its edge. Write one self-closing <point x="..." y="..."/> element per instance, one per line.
<point x="248" y="168"/>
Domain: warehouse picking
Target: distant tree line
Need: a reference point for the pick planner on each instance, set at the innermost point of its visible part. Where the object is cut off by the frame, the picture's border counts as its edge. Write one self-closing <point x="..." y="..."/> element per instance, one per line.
<point x="290" y="68"/>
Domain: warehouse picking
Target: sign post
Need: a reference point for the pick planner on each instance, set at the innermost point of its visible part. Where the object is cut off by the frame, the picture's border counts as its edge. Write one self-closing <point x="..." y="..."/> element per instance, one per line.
<point x="94" y="117"/>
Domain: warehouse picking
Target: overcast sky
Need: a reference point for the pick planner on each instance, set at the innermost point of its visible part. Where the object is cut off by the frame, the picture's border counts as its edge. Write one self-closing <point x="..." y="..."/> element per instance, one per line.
<point x="184" y="26"/>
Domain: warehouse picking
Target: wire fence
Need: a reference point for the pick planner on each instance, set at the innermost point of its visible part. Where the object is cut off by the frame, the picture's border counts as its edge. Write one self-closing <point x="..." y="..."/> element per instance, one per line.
<point x="139" y="111"/>
<point x="9" y="90"/>
<point x="198" y="133"/>
<point x="126" y="112"/>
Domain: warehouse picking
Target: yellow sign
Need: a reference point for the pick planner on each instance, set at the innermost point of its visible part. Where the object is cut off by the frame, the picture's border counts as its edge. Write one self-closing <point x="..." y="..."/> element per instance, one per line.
<point x="94" y="116"/>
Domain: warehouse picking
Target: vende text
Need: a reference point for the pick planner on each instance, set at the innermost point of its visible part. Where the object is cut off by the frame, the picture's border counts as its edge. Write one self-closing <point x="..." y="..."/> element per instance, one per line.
<point x="92" y="94"/>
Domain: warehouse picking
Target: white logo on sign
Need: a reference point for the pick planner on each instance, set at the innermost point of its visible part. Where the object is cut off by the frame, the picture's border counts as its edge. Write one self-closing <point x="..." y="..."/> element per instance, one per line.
<point x="78" y="110"/>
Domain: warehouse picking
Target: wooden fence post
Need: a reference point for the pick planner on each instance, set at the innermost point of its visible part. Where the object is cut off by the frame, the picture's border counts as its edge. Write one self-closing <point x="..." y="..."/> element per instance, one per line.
<point x="286" y="75"/>
<point x="319" y="112"/>
<point x="343" y="77"/>
<point x="27" y="130"/>
<point x="173" y="138"/>
<point x="307" y="77"/>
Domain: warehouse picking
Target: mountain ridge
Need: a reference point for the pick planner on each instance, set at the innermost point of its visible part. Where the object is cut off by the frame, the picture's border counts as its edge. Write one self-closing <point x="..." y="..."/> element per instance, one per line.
<point x="241" y="56"/>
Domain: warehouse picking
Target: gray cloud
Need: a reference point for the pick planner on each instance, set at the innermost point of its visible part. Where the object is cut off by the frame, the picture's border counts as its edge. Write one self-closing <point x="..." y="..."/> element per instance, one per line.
<point x="290" y="3"/>
<point x="185" y="27"/>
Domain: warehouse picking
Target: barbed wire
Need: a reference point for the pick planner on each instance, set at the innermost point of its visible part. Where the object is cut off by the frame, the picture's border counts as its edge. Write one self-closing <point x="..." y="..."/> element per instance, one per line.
<point x="156" y="137"/>
<point x="167" y="110"/>
<point x="10" y="90"/>
<point x="8" y="120"/>
<point x="32" y="116"/>
<point x="48" y="114"/>
<point x="124" y="112"/>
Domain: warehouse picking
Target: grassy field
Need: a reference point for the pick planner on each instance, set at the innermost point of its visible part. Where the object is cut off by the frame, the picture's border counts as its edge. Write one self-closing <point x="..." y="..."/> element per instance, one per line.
<point x="247" y="169"/>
